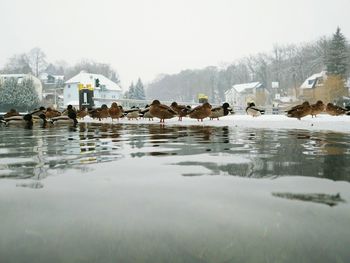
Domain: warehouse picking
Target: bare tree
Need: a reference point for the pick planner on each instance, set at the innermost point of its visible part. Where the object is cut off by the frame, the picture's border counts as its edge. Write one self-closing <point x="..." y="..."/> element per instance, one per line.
<point x="37" y="60"/>
<point x="17" y="64"/>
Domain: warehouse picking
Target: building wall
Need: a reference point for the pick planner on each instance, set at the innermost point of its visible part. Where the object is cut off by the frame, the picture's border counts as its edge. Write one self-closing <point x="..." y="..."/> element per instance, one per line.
<point x="70" y="93"/>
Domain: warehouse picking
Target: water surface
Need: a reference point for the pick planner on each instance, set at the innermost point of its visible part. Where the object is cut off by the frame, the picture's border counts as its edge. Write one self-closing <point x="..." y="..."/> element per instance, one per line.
<point x="152" y="193"/>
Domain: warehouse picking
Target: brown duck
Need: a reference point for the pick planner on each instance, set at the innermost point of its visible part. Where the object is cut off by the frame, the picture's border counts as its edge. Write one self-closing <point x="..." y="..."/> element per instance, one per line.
<point x="11" y="113"/>
<point x="161" y="111"/>
<point x="317" y="108"/>
<point x="115" y="112"/>
<point x="181" y="110"/>
<point x="335" y="110"/>
<point x="81" y="114"/>
<point x="99" y="113"/>
<point x="51" y="113"/>
<point x="300" y="111"/>
<point x="200" y="112"/>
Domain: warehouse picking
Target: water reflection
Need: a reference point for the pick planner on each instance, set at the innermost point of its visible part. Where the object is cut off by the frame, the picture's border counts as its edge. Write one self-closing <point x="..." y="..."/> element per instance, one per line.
<point x="254" y="153"/>
<point x="327" y="199"/>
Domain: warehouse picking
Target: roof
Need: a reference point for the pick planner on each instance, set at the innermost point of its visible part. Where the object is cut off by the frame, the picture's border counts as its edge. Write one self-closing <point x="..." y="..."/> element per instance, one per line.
<point x="310" y="82"/>
<point x="17" y="75"/>
<point x="89" y="78"/>
<point x="242" y="87"/>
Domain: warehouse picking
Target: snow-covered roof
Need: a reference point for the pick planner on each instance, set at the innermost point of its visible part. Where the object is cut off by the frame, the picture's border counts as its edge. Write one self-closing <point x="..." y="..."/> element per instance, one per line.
<point x="16" y="75"/>
<point x="89" y="78"/>
<point x="242" y="87"/>
<point x="310" y="82"/>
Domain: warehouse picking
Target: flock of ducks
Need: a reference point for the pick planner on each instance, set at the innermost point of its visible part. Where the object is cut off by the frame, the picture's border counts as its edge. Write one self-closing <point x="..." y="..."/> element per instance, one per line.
<point x="48" y="116"/>
<point x="306" y="109"/>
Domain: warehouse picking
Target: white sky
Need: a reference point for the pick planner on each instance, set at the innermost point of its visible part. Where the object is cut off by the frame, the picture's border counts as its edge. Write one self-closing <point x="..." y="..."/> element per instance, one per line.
<point x="145" y="38"/>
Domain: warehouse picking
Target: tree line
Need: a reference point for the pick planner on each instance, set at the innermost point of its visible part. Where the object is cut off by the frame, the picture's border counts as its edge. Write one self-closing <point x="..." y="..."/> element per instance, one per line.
<point x="289" y="65"/>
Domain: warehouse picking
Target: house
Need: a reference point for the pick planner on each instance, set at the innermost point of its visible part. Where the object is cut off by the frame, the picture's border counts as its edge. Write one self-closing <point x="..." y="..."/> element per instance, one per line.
<point x="321" y="86"/>
<point x="51" y="79"/>
<point x="105" y="91"/>
<point x="240" y="94"/>
<point x="20" y="77"/>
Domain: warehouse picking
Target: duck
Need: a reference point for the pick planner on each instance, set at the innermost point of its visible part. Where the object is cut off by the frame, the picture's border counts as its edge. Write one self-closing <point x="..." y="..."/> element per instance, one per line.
<point x="82" y="113"/>
<point x="19" y="120"/>
<point x="221" y="111"/>
<point x="252" y="110"/>
<point x="317" y="108"/>
<point x="161" y="111"/>
<point x="70" y="108"/>
<point x="335" y="110"/>
<point x="200" y="112"/>
<point x="70" y="118"/>
<point x="181" y="110"/>
<point x="11" y="112"/>
<point x="24" y="120"/>
<point x="115" y="112"/>
<point x="99" y="113"/>
<point x="51" y="113"/>
<point x="146" y="114"/>
<point x="132" y="113"/>
<point x="300" y="111"/>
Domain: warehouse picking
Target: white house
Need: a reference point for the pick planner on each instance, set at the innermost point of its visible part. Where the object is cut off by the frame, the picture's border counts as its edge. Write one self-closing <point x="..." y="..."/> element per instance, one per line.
<point x="314" y="80"/>
<point x="240" y="94"/>
<point x="105" y="93"/>
<point x="20" y="77"/>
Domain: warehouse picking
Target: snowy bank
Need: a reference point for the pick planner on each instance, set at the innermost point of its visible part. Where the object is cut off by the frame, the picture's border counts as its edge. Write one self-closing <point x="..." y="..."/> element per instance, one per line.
<point x="321" y="122"/>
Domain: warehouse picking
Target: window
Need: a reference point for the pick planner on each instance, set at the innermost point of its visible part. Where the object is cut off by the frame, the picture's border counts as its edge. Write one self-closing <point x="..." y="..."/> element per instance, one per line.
<point x="113" y="96"/>
<point x="68" y="86"/>
<point x="311" y="81"/>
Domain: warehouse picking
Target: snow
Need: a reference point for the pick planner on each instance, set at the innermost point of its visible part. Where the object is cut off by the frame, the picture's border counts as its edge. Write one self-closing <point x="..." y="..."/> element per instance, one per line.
<point x="322" y="122"/>
<point x="242" y="87"/>
<point x="89" y="78"/>
<point x="309" y="82"/>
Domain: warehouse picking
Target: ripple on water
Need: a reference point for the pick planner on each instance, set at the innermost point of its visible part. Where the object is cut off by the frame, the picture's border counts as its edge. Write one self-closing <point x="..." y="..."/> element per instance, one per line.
<point x="253" y="153"/>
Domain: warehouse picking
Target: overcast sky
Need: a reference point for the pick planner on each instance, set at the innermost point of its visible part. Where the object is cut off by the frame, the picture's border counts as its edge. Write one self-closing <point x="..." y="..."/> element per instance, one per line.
<point x="146" y="38"/>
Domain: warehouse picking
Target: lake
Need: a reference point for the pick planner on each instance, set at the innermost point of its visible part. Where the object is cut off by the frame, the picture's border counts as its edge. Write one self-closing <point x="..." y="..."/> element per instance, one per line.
<point x="171" y="193"/>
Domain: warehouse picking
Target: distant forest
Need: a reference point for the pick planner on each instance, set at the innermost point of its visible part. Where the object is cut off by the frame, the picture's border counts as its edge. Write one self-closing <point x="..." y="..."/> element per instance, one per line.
<point x="289" y="65"/>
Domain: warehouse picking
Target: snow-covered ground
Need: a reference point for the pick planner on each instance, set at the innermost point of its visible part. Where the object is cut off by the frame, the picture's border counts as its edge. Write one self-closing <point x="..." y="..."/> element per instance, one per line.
<point x="321" y="122"/>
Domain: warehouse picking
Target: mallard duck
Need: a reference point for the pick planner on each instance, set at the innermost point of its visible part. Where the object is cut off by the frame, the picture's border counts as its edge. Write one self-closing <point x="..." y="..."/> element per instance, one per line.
<point x="317" y="108"/>
<point x="99" y="113"/>
<point x="82" y="113"/>
<point x="335" y="110"/>
<point x="221" y="111"/>
<point x="300" y="111"/>
<point x="132" y="113"/>
<point x="115" y="112"/>
<point x="10" y="113"/>
<point x="146" y="114"/>
<point x="161" y="111"/>
<point x="181" y="110"/>
<point x="70" y="108"/>
<point x="200" y="112"/>
<point x="37" y="112"/>
<point x="51" y="113"/>
<point x="252" y="110"/>
<point x="21" y="120"/>
<point x="70" y="118"/>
